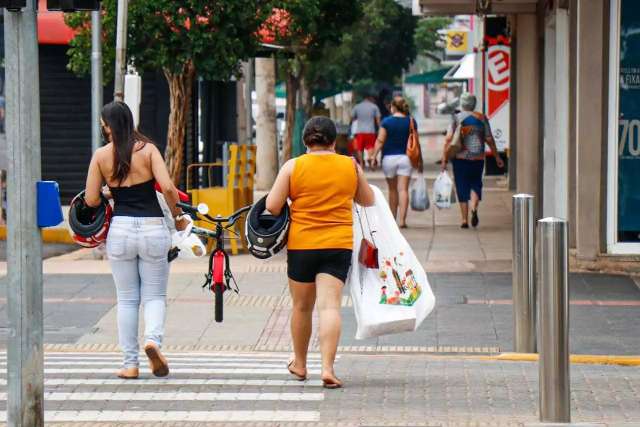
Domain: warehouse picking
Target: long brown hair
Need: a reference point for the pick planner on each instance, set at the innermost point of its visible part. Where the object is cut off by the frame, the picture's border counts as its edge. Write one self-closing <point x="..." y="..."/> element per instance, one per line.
<point x="124" y="137"/>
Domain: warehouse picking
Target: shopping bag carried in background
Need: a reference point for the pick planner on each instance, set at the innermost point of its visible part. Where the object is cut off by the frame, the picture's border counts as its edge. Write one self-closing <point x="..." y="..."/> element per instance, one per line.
<point x="419" y="194"/>
<point x="397" y="296"/>
<point x="442" y="189"/>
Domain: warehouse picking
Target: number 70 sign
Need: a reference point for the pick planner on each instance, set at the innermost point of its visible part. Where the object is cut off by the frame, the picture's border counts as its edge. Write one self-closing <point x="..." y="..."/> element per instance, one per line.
<point x="630" y="137"/>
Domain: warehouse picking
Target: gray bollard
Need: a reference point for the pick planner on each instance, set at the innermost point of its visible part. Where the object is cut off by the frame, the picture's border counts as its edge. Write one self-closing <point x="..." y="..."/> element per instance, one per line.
<point x="523" y="277"/>
<point x="553" y="321"/>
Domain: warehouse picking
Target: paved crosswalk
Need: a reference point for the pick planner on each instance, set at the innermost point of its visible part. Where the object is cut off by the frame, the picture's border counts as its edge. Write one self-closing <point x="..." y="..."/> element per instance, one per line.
<point x="202" y="387"/>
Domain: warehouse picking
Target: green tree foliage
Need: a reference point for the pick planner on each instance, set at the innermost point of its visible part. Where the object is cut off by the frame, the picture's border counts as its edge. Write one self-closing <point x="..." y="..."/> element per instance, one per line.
<point x="426" y="36"/>
<point x="376" y="48"/>
<point x="182" y="39"/>
<point x="313" y="25"/>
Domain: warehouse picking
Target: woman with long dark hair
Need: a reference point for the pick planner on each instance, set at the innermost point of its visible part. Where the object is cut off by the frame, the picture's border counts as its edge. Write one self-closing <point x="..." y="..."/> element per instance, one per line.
<point x="138" y="239"/>
<point x="322" y="186"/>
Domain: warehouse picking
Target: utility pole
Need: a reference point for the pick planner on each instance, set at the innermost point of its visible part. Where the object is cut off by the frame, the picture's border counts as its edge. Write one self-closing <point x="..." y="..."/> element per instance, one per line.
<point x="121" y="50"/>
<point x="96" y="78"/>
<point x="25" y="367"/>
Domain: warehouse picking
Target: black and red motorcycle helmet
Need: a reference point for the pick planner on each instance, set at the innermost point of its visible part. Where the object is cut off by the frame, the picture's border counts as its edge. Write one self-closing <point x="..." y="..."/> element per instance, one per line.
<point x="89" y="225"/>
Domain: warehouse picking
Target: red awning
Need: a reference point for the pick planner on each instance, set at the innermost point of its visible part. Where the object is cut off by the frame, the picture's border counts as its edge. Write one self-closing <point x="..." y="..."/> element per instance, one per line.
<point x="53" y="30"/>
<point x="51" y="26"/>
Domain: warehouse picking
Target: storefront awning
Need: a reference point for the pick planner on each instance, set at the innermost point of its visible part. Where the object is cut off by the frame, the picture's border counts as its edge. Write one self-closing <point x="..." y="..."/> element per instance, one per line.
<point x="51" y="26"/>
<point x="464" y="69"/>
<point x="281" y="91"/>
<point x="430" y="77"/>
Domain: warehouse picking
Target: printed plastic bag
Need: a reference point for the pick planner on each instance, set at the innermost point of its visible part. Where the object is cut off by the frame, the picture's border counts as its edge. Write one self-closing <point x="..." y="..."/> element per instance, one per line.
<point x="396" y="297"/>
<point x="442" y="189"/>
<point x="419" y="194"/>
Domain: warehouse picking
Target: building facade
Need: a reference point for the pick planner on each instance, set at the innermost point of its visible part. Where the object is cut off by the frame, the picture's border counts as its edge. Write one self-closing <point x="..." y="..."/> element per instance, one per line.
<point x="575" y="116"/>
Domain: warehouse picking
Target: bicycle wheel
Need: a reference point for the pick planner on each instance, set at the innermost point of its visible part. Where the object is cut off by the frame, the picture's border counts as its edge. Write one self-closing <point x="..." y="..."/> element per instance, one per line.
<point x="218" y="291"/>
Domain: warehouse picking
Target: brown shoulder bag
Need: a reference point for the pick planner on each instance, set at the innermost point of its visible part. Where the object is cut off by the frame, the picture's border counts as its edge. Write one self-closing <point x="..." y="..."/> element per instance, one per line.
<point x="413" y="146"/>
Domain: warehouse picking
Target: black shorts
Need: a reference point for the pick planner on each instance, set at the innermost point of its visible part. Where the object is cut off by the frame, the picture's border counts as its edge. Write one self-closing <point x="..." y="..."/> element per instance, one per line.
<point x="305" y="265"/>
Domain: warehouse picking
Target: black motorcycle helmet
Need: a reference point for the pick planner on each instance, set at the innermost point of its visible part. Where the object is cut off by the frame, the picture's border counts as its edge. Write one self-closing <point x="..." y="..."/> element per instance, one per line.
<point x="266" y="234"/>
<point x="89" y="226"/>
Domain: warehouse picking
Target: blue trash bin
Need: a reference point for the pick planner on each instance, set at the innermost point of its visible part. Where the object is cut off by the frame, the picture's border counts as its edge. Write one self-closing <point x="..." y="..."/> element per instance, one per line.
<point x="49" y="207"/>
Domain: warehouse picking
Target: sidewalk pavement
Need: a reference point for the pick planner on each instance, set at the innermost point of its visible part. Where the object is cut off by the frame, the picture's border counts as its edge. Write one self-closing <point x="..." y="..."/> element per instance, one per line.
<point x="255" y="389"/>
<point x="235" y="371"/>
<point x="469" y="271"/>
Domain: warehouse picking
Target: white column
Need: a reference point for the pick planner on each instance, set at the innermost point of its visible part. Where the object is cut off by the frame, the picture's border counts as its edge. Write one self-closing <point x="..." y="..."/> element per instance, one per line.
<point x="556" y="128"/>
<point x="266" y="131"/>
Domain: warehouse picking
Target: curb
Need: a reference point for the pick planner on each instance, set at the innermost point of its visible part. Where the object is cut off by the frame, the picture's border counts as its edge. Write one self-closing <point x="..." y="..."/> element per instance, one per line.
<point x="587" y="359"/>
<point x="49" y="235"/>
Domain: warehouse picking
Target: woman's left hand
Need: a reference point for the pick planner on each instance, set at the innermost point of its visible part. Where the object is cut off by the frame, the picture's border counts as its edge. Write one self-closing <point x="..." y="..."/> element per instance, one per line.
<point x="499" y="162"/>
<point x="182" y="223"/>
<point x="106" y="192"/>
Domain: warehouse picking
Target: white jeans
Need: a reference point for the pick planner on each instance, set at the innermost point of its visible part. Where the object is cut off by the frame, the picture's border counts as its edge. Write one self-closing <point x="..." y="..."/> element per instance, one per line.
<point x="396" y="164"/>
<point x="137" y="250"/>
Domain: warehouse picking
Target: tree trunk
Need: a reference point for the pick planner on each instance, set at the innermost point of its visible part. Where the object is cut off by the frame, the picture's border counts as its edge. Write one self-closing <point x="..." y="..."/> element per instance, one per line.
<point x="266" y="129"/>
<point x="293" y="84"/>
<point x="180" y="91"/>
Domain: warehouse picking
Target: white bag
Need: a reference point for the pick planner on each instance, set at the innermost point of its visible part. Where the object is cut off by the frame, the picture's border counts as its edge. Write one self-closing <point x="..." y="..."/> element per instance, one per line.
<point x="419" y="194"/>
<point x="442" y="189"/>
<point x="396" y="297"/>
<point x="190" y="246"/>
<point x="168" y="217"/>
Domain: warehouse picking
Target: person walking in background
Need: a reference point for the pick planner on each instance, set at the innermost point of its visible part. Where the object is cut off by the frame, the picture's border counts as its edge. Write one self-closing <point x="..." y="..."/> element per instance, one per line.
<point x="322" y="186"/>
<point x="138" y="239"/>
<point x="468" y="163"/>
<point x="367" y="115"/>
<point x="383" y="102"/>
<point x="392" y="141"/>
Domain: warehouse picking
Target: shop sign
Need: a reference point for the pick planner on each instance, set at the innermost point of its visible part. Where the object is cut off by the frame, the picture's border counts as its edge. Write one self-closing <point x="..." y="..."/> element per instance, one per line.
<point x="457" y="42"/>
<point x="498" y="76"/>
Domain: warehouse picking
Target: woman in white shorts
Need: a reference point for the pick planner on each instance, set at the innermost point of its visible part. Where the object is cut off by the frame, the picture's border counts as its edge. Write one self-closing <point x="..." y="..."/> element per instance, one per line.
<point x="392" y="141"/>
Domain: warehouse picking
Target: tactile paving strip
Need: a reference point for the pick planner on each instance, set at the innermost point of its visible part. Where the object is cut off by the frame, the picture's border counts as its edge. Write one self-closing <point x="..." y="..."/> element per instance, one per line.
<point x="281" y="348"/>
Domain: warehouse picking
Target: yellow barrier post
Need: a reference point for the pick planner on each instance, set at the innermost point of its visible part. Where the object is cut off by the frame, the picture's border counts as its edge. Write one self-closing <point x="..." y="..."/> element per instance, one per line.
<point x="222" y="201"/>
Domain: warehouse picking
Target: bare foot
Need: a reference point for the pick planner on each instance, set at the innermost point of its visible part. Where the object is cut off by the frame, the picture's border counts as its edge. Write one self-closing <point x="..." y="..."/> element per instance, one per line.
<point x="330" y="381"/>
<point x="128" y="373"/>
<point x="157" y="361"/>
<point x="299" y="373"/>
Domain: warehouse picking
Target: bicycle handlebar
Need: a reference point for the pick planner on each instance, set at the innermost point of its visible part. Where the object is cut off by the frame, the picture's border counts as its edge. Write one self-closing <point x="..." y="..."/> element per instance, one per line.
<point x="230" y="220"/>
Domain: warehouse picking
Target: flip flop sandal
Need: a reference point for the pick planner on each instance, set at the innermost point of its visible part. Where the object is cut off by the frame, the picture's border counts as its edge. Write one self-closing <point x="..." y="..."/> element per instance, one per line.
<point x="296" y="375"/>
<point x="331" y="384"/>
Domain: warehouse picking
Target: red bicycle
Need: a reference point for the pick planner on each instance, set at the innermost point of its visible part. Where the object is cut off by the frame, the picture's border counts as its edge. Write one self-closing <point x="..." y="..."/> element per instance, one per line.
<point x="219" y="278"/>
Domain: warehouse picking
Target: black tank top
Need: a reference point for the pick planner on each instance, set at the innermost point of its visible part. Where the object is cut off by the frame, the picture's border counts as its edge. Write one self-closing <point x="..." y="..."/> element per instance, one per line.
<point x="138" y="200"/>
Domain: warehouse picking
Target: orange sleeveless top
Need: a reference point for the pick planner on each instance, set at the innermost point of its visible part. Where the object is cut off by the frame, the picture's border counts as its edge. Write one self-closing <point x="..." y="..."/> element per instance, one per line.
<point x="322" y="188"/>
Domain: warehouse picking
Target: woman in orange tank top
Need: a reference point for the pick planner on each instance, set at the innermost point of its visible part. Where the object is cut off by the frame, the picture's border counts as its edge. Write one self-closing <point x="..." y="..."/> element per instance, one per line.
<point x="322" y="187"/>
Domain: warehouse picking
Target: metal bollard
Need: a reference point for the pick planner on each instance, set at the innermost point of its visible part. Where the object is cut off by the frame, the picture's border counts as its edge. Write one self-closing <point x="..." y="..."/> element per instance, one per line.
<point x="553" y="318"/>
<point x="523" y="278"/>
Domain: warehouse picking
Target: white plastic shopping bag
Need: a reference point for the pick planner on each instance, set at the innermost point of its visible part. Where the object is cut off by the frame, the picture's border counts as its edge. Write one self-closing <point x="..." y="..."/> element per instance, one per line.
<point x="189" y="245"/>
<point x="168" y="217"/>
<point x="419" y="195"/>
<point x="396" y="297"/>
<point x="442" y="189"/>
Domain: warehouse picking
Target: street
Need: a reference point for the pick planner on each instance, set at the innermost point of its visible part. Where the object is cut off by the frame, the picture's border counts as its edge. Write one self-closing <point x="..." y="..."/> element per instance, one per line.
<point x="448" y="373"/>
<point x="48" y="249"/>
<point x="382" y="390"/>
<point x="519" y="118"/>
